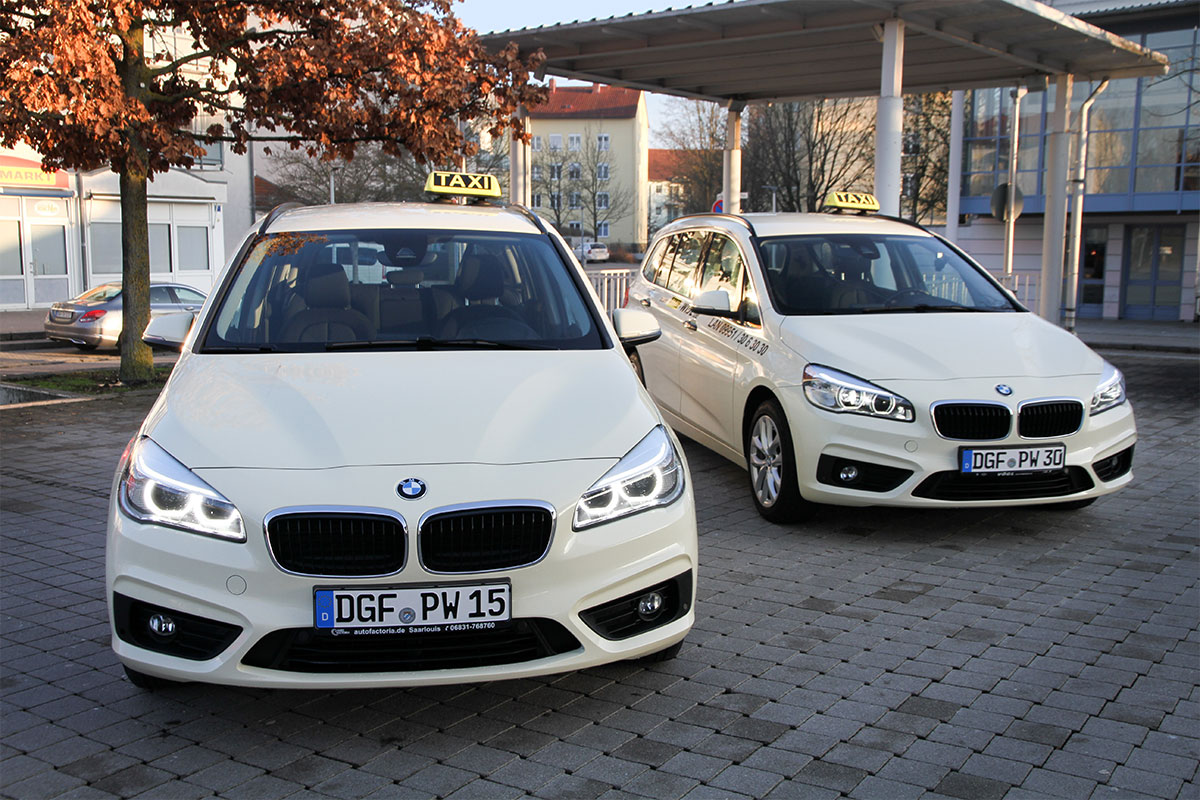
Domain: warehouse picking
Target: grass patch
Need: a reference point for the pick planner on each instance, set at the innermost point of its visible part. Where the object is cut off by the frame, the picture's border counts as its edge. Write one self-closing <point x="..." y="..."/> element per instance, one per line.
<point x="96" y="381"/>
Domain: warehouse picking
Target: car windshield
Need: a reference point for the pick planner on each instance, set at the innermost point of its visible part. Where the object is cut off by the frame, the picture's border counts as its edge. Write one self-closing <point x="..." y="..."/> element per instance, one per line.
<point x="869" y="273"/>
<point x="402" y="289"/>
<point x="99" y="294"/>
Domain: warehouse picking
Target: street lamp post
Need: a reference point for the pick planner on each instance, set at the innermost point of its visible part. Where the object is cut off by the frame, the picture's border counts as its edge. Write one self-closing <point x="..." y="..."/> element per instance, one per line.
<point x="772" y="190"/>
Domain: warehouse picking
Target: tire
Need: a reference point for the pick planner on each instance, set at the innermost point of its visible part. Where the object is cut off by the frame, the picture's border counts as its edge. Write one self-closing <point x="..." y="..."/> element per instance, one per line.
<point x="87" y="348"/>
<point x="771" y="465"/>
<point x="636" y="362"/>
<point x="147" y="682"/>
<point x="666" y="654"/>
<point x="1073" y="505"/>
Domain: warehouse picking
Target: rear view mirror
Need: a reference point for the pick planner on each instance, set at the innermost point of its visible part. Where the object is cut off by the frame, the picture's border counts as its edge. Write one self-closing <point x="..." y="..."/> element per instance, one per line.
<point x="169" y="331"/>
<point x="635" y="326"/>
<point x="714" y="303"/>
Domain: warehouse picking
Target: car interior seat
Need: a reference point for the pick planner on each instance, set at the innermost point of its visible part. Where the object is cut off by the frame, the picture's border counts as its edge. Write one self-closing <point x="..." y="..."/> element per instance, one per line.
<point x="480" y="284"/>
<point x="328" y="316"/>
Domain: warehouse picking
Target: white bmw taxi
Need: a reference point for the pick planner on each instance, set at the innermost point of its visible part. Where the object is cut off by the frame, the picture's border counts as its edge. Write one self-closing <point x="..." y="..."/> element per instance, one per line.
<point x="402" y="445"/>
<point x="860" y="360"/>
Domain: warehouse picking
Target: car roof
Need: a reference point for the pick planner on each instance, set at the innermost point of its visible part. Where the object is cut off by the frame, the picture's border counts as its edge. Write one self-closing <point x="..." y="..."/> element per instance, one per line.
<point x="357" y="216"/>
<point x="799" y="224"/>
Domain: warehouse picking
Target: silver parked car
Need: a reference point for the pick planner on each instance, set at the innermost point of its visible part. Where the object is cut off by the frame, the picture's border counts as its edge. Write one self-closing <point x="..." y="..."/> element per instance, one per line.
<point x="93" y="319"/>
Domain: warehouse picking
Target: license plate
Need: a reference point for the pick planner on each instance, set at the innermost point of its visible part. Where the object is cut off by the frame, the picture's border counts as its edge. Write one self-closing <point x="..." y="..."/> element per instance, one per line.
<point x="61" y="315"/>
<point x="397" y="609"/>
<point x="997" y="460"/>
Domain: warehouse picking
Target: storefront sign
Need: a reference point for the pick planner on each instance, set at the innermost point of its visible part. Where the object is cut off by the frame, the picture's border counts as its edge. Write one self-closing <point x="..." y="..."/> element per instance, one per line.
<point x="23" y="172"/>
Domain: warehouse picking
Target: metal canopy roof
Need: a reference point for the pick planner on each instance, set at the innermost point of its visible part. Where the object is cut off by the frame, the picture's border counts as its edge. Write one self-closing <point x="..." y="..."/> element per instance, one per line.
<point x="759" y="50"/>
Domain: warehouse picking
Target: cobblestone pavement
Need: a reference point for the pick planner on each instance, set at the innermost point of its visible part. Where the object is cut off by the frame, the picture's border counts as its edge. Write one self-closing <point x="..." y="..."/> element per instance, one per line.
<point x="873" y="653"/>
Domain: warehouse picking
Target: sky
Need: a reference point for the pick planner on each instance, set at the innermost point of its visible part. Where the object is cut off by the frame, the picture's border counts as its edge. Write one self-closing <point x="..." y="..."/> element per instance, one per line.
<point x="487" y="16"/>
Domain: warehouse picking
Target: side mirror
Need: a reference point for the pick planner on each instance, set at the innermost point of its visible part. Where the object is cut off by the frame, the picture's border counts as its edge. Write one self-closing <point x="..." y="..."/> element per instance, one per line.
<point x="635" y="326"/>
<point x="169" y="331"/>
<point x="714" y="303"/>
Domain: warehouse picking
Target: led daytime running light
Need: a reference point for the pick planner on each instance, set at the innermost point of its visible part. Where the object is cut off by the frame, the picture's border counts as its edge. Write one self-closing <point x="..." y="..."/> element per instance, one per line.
<point x="1110" y="393"/>
<point x="649" y="476"/>
<point x="158" y="489"/>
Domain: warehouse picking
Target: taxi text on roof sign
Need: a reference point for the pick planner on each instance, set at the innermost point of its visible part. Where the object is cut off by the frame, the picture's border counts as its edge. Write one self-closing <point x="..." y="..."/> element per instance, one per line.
<point x="861" y="201"/>
<point x="463" y="183"/>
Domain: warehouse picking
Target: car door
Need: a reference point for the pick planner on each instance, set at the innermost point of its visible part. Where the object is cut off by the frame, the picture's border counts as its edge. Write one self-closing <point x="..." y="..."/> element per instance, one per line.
<point x="188" y="299"/>
<point x="711" y="351"/>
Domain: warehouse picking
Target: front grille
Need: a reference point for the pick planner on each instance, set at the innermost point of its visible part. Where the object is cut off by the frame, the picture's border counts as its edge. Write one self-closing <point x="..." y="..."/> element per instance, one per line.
<point x="959" y="486"/>
<point x="1113" y="467"/>
<point x="619" y="619"/>
<point x="483" y="539"/>
<point x="304" y="650"/>
<point x="195" y="638"/>
<point x="337" y="544"/>
<point x="972" y="421"/>
<point x="1046" y="420"/>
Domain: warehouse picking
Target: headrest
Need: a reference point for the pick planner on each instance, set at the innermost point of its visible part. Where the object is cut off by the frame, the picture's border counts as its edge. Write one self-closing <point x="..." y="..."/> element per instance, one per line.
<point x="481" y="278"/>
<point x="405" y="277"/>
<point x="327" y="287"/>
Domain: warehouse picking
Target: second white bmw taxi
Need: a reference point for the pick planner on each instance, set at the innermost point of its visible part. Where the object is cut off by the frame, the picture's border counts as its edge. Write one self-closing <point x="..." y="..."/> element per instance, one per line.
<point x="401" y="446"/>
<point x="860" y="360"/>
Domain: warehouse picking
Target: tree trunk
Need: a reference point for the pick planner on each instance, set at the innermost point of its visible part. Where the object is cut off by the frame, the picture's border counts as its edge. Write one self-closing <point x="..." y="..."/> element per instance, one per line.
<point x="137" y="363"/>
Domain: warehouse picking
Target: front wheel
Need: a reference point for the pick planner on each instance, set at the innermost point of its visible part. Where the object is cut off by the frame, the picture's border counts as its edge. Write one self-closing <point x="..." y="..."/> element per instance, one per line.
<point x="635" y="361"/>
<point x="771" y="462"/>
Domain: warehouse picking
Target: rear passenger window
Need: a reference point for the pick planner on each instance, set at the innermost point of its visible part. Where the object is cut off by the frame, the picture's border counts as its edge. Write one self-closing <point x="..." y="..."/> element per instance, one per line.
<point x="687" y="259"/>
<point x="722" y="268"/>
<point x="659" y="261"/>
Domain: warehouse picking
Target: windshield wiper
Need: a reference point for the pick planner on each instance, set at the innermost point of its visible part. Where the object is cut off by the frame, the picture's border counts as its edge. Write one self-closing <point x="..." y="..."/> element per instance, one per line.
<point x="919" y="308"/>
<point x="431" y="343"/>
<point x="240" y="348"/>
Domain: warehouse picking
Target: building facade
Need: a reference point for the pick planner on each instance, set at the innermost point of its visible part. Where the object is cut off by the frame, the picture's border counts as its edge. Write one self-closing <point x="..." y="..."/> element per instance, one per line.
<point x="1139" y="257"/>
<point x="665" y="191"/>
<point x="589" y="163"/>
<point x="60" y="233"/>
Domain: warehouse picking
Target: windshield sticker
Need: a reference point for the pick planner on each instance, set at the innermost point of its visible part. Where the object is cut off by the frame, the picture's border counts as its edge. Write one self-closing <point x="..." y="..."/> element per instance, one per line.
<point x="739" y="337"/>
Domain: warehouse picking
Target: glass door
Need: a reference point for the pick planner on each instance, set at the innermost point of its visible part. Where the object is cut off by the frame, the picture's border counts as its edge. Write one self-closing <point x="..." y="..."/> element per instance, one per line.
<point x="12" y="255"/>
<point x="1153" y="274"/>
<point x="1090" y="304"/>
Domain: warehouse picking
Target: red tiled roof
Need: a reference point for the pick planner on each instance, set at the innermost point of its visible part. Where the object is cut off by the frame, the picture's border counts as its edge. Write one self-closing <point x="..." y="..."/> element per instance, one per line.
<point x="588" y="102"/>
<point x="664" y="164"/>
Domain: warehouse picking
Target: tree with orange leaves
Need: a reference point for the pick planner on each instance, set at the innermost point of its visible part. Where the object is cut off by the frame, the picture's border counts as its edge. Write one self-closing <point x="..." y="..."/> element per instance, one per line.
<point x="123" y="83"/>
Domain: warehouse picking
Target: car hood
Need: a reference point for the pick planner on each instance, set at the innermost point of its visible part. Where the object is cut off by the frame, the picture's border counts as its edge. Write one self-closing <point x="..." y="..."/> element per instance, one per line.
<point x="313" y="411"/>
<point x="933" y="346"/>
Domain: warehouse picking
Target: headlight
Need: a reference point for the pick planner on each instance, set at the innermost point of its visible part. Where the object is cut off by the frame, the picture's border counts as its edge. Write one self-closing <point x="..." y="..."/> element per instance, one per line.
<point x="1110" y="392"/>
<point x="845" y="394"/>
<point x="650" y="475"/>
<point x="156" y="488"/>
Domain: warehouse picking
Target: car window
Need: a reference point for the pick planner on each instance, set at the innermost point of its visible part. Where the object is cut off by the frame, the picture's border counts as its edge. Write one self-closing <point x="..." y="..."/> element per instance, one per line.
<point x="161" y="295"/>
<point x="868" y="273"/>
<point x="687" y="259"/>
<point x="100" y="294"/>
<point x="659" y="259"/>
<point x="307" y="291"/>
<point x="722" y="268"/>
<point x="189" y="296"/>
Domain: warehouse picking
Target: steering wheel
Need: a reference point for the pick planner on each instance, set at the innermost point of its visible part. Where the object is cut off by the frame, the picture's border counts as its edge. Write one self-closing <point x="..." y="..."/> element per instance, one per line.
<point x="902" y="295"/>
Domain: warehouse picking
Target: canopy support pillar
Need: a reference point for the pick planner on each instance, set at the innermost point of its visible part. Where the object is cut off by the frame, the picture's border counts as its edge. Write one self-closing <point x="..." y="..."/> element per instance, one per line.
<point x="954" y="178"/>
<point x="1054" y="223"/>
<point x="518" y="165"/>
<point x="889" y="119"/>
<point x="731" y="174"/>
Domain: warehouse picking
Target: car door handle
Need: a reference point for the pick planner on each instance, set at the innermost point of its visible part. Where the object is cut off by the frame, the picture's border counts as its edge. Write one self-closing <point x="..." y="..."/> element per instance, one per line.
<point x="689" y="326"/>
<point x="645" y="301"/>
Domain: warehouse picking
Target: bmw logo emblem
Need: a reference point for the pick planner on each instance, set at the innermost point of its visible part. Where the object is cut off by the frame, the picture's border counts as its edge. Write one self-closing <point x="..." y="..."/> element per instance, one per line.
<point x="1004" y="389"/>
<point x="411" y="488"/>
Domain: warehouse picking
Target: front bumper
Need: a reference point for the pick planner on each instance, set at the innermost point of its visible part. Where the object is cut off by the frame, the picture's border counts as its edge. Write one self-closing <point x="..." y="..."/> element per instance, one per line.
<point x="239" y="589"/>
<point x="909" y="464"/>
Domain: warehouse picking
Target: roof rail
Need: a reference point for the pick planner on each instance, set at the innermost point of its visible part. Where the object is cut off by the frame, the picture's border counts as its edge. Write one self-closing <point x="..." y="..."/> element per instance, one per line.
<point x="275" y="213"/>
<point x="734" y="217"/>
<point x="909" y="222"/>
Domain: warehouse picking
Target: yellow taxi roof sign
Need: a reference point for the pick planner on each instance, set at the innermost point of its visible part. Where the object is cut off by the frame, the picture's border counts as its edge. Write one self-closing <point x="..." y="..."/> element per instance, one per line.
<point x="463" y="183"/>
<point x="857" y="201"/>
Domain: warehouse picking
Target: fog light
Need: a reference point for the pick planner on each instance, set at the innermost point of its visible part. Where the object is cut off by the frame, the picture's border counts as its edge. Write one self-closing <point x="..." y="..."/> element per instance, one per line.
<point x="849" y="473"/>
<point x="162" y="625"/>
<point x="650" y="605"/>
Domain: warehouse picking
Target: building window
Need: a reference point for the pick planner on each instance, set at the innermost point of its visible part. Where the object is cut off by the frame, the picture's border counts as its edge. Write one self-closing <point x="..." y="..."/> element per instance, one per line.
<point x="106" y="248"/>
<point x="555" y="200"/>
<point x="573" y="200"/>
<point x="193" y="247"/>
<point x="536" y="145"/>
<point x="602" y="142"/>
<point x="574" y="141"/>
<point x="535" y="172"/>
<point x="556" y="141"/>
<point x="602" y="200"/>
<point x="575" y="227"/>
<point x="602" y="230"/>
<point x="556" y="172"/>
<point x="575" y="171"/>
<point x="536" y="200"/>
<point x="602" y="171"/>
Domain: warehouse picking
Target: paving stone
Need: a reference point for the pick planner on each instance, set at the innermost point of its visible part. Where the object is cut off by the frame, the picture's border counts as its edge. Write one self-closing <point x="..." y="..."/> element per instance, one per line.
<point x="971" y="787"/>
